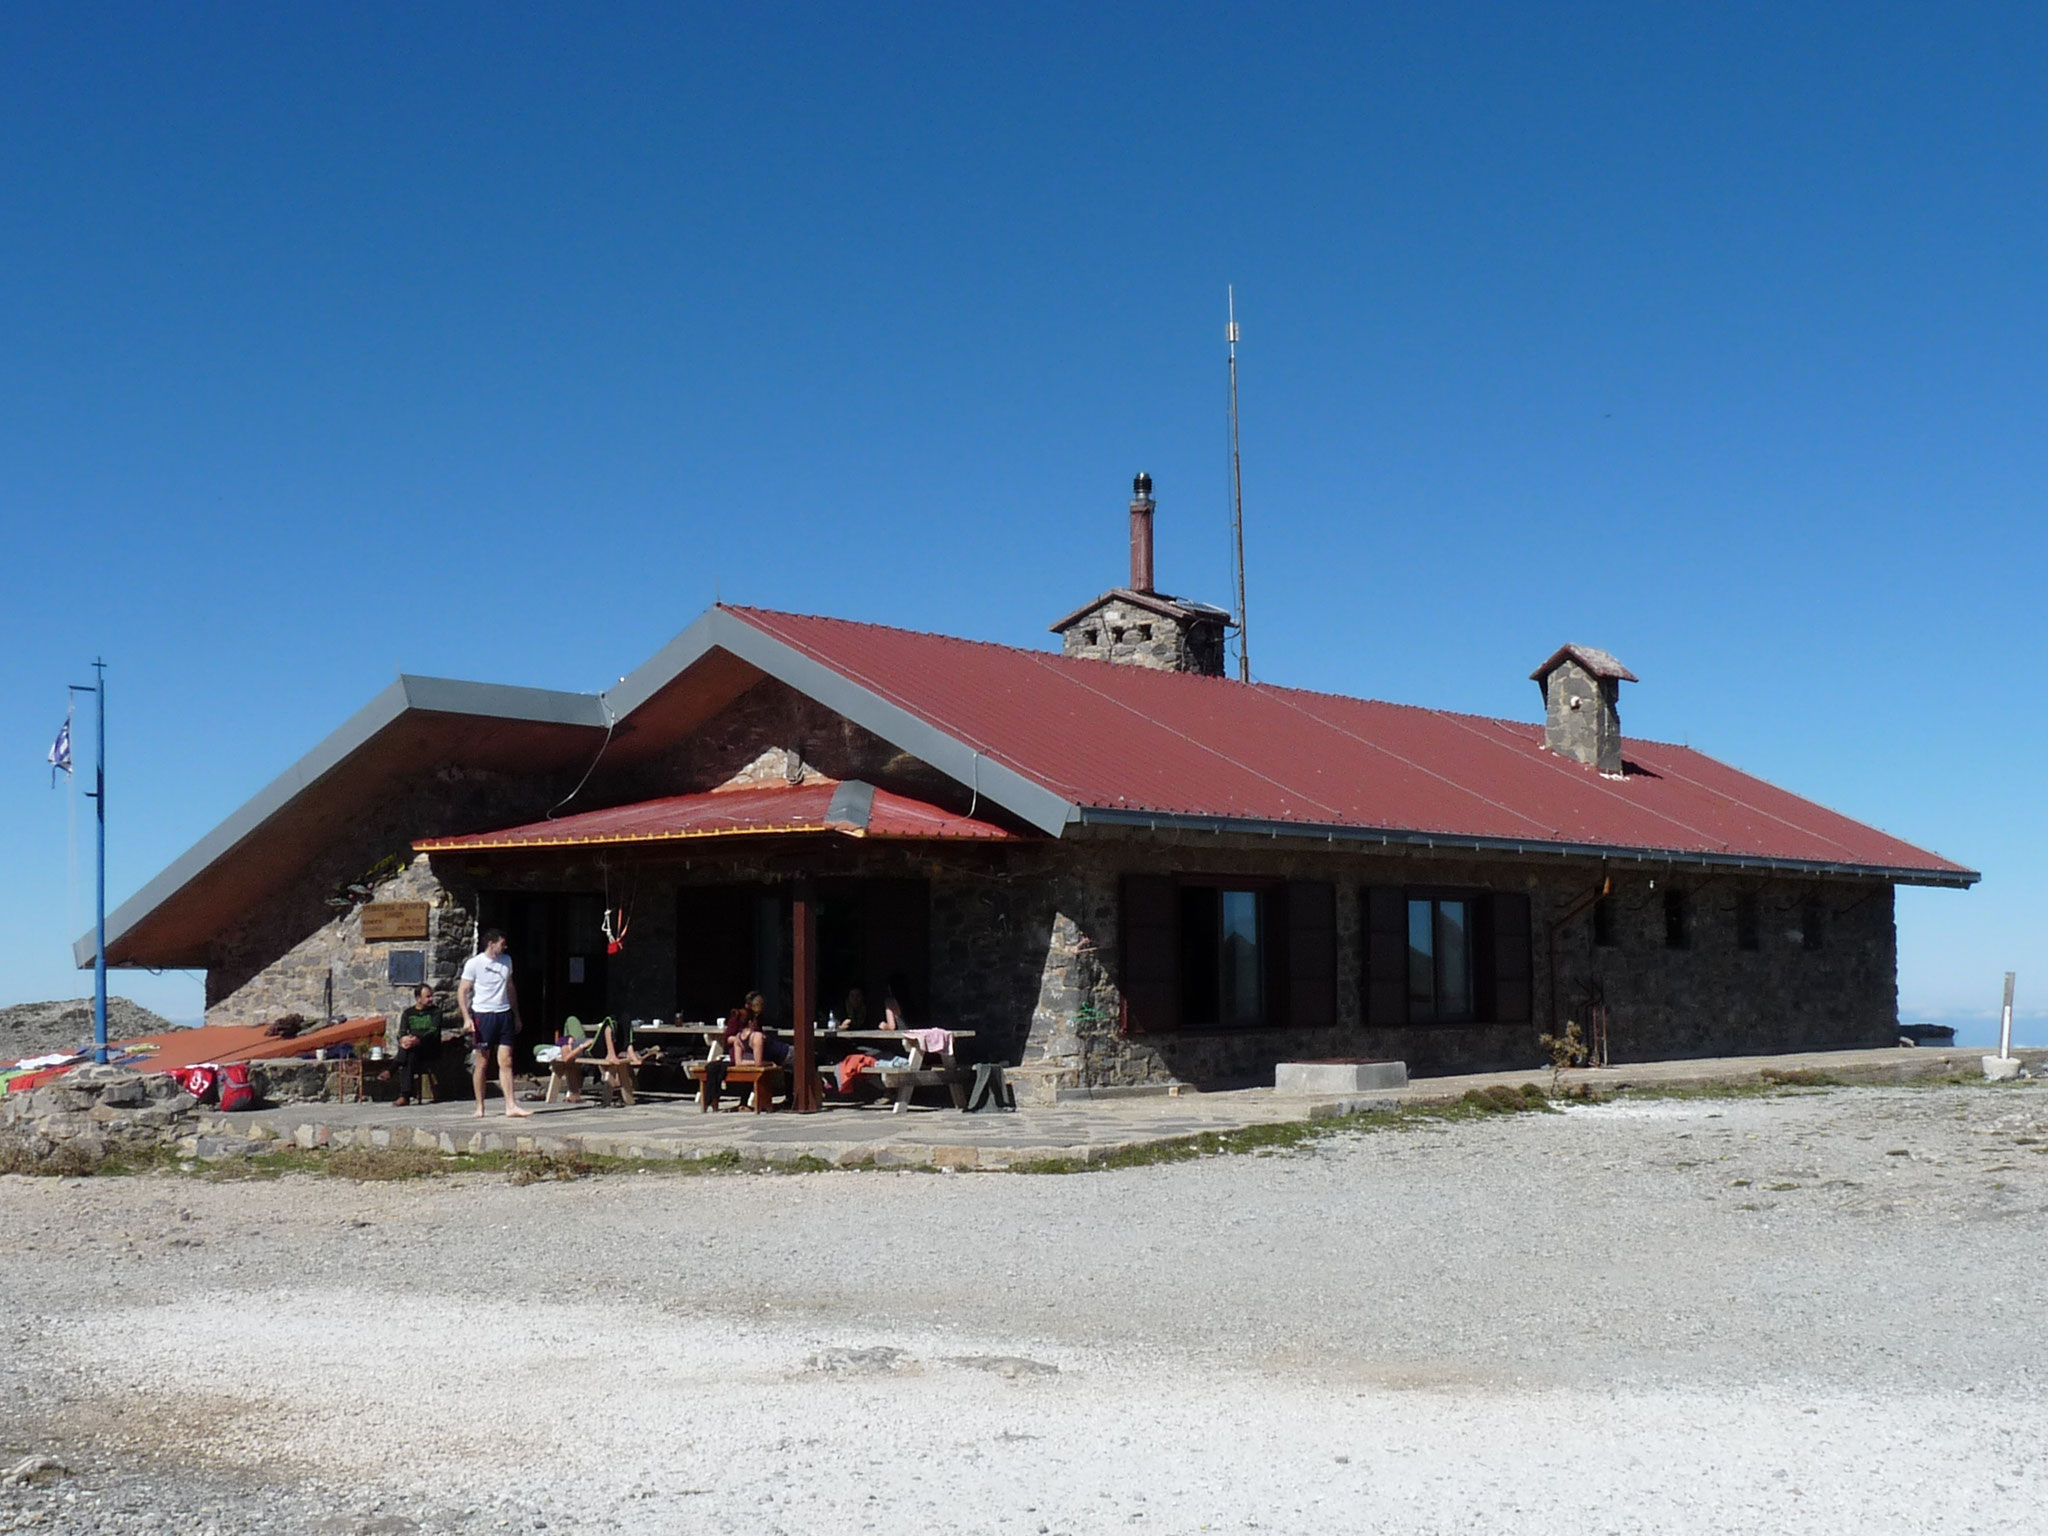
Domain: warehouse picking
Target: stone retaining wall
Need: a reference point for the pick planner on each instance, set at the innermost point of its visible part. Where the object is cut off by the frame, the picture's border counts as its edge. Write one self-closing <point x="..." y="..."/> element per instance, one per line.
<point x="77" y="1121"/>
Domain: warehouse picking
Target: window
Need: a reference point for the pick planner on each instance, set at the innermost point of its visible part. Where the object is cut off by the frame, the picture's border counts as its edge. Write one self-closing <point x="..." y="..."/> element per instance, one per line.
<point x="1677" y="920"/>
<point x="1116" y="634"/>
<point x="1144" y="631"/>
<point x="1444" y="957"/>
<point x="1748" y="931"/>
<point x="1091" y="637"/>
<point x="1224" y="952"/>
<point x="1810" y="923"/>
<point x="1603" y="922"/>
<point x="1439" y="961"/>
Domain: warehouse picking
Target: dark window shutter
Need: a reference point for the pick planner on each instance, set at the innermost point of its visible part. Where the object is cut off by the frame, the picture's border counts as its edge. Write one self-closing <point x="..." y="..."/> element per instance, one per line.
<point x="1151" y="954"/>
<point x="1312" y="954"/>
<point x="1508" y="938"/>
<point x="1386" y="955"/>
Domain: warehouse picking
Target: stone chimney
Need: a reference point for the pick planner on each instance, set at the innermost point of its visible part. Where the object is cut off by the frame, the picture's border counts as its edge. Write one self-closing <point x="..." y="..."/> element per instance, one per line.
<point x="1582" y="706"/>
<point x="1141" y="532"/>
<point x="1139" y="625"/>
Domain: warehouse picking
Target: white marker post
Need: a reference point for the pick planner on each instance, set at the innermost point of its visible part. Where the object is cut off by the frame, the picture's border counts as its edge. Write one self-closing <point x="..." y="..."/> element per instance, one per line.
<point x="2002" y="1066"/>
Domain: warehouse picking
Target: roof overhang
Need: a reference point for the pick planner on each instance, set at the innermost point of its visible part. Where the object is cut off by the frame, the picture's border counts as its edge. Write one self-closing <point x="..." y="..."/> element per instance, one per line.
<point x="417" y="720"/>
<point x="1395" y="837"/>
<point x="826" y="809"/>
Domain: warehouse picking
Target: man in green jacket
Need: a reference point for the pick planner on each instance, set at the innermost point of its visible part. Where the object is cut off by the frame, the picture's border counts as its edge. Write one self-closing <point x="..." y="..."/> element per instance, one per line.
<point x="419" y="1041"/>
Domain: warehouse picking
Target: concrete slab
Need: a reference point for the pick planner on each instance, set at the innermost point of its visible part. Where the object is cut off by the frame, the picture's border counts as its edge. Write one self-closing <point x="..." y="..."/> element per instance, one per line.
<point x="1321" y="1079"/>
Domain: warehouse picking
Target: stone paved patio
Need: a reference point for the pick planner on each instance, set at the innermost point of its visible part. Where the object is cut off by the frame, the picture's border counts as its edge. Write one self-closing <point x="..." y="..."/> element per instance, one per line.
<point x="1083" y="1129"/>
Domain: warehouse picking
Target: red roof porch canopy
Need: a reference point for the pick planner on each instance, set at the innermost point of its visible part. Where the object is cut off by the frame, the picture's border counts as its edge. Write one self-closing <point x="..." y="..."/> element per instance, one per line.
<point x="847" y="809"/>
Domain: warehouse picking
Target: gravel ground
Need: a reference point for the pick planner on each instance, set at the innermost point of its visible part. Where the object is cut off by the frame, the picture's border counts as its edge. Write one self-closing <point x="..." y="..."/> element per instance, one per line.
<point x="1815" y="1312"/>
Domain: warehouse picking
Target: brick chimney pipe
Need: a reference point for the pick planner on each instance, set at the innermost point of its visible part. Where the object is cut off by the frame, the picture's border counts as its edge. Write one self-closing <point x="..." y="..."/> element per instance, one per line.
<point x="1141" y="533"/>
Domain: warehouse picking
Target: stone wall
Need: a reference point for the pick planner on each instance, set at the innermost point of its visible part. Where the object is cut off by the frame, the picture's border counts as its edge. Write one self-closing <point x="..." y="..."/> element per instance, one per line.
<point x="333" y="968"/>
<point x="1025" y="952"/>
<point x="278" y="958"/>
<point x="75" y="1122"/>
<point x="1711" y="998"/>
<point x="772" y="714"/>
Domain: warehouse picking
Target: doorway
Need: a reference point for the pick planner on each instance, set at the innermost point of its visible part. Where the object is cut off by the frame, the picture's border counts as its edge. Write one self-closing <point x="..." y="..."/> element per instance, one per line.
<point x="733" y="939"/>
<point x="556" y="942"/>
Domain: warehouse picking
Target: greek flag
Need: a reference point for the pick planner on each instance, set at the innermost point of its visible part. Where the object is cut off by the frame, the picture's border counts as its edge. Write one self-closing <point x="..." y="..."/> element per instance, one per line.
<point x="60" y="753"/>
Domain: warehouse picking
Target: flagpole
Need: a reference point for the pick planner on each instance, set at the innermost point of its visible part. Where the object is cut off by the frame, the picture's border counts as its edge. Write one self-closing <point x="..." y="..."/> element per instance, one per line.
<point x="99" y="800"/>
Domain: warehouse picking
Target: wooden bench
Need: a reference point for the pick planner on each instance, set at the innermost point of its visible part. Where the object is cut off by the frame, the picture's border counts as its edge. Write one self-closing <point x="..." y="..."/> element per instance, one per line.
<point x="907" y="1080"/>
<point x="613" y="1076"/>
<point x="765" y="1079"/>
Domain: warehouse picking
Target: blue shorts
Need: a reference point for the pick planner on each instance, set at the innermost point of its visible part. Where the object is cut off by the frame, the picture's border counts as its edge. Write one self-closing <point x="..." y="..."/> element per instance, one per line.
<point x="495" y="1030"/>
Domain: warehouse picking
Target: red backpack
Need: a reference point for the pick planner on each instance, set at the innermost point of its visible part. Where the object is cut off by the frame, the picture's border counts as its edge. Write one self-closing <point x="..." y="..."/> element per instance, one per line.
<point x="236" y="1091"/>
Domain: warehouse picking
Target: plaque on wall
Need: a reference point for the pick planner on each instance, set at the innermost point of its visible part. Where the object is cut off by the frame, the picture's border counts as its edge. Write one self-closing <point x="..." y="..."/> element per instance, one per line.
<point x="395" y="920"/>
<point x="407" y="967"/>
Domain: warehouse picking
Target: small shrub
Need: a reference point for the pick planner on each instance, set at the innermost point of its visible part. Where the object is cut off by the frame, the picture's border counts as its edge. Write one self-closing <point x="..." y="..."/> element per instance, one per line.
<point x="64" y="1159"/>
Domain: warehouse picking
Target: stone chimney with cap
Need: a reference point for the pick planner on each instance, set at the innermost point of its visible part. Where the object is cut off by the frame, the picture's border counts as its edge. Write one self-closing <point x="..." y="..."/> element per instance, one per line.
<point x="1139" y="625"/>
<point x="1582" y="706"/>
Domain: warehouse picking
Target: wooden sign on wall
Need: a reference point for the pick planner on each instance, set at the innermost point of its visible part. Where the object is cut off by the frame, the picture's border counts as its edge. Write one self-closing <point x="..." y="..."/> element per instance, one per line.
<point x="395" y="920"/>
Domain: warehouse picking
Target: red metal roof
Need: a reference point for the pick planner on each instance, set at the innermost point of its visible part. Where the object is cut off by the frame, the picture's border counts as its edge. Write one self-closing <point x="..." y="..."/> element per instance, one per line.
<point x="1128" y="740"/>
<point x="769" y="811"/>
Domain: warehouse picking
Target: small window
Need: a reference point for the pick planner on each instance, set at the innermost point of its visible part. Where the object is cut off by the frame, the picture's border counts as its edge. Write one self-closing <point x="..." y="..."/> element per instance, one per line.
<point x="1603" y="922"/>
<point x="1144" y="631"/>
<point x="1810" y="920"/>
<point x="1116" y="634"/>
<point x="1091" y="637"/>
<point x="1677" y="920"/>
<point x="1439" y="961"/>
<point x="1748" y="930"/>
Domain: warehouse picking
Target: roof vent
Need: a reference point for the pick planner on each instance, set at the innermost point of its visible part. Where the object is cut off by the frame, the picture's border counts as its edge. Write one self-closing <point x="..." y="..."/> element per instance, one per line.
<point x="1582" y="706"/>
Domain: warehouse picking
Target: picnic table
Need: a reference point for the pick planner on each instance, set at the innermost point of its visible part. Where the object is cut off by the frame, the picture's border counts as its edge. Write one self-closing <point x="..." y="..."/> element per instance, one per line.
<point x="921" y="1072"/>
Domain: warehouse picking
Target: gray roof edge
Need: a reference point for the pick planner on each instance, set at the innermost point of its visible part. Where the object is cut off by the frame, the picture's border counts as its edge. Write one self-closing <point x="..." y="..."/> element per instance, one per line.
<point x="438" y="695"/>
<point x="1114" y="816"/>
<point x="717" y="629"/>
<point x="504" y="701"/>
<point x="665" y="665"/>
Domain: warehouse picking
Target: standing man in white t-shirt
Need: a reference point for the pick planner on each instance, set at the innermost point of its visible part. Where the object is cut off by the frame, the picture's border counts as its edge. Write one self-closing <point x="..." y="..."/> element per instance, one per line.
<point x="490" y="1012"/>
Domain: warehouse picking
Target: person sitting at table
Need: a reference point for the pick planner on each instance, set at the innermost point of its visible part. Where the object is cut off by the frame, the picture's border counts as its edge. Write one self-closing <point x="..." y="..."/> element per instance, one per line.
<point x="747" y="1040"/>
<point x="419" y="1042"/>
<point x="892" y="1011"/>
<point x="856" y="1015"/>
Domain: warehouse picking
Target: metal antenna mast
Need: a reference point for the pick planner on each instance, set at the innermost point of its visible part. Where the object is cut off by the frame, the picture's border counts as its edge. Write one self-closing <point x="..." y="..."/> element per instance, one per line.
<point x="1244" y="655"/>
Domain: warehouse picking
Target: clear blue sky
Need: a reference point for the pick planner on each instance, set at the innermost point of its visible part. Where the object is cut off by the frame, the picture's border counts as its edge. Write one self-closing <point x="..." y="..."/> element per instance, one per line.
<point x="491" y="341"/>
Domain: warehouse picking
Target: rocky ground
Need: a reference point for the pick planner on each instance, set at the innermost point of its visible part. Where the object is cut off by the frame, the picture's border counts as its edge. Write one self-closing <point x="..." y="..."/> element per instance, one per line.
<point x="34" y="1029"/>
<point x="1812" y="1312"/>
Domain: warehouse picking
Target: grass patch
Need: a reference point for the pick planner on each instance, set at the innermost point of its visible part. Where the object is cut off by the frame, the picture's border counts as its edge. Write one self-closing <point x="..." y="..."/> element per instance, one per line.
<point x="1802" y="1077"/>
<point x="1290" y="1135"/>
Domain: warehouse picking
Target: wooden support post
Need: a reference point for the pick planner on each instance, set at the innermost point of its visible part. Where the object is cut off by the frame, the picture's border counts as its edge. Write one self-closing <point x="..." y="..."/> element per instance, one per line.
<point x="804" y="1096"/>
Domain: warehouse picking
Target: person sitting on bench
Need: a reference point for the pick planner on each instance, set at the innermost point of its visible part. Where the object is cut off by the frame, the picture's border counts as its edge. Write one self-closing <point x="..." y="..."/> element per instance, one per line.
<point x="747" y="1040"/>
